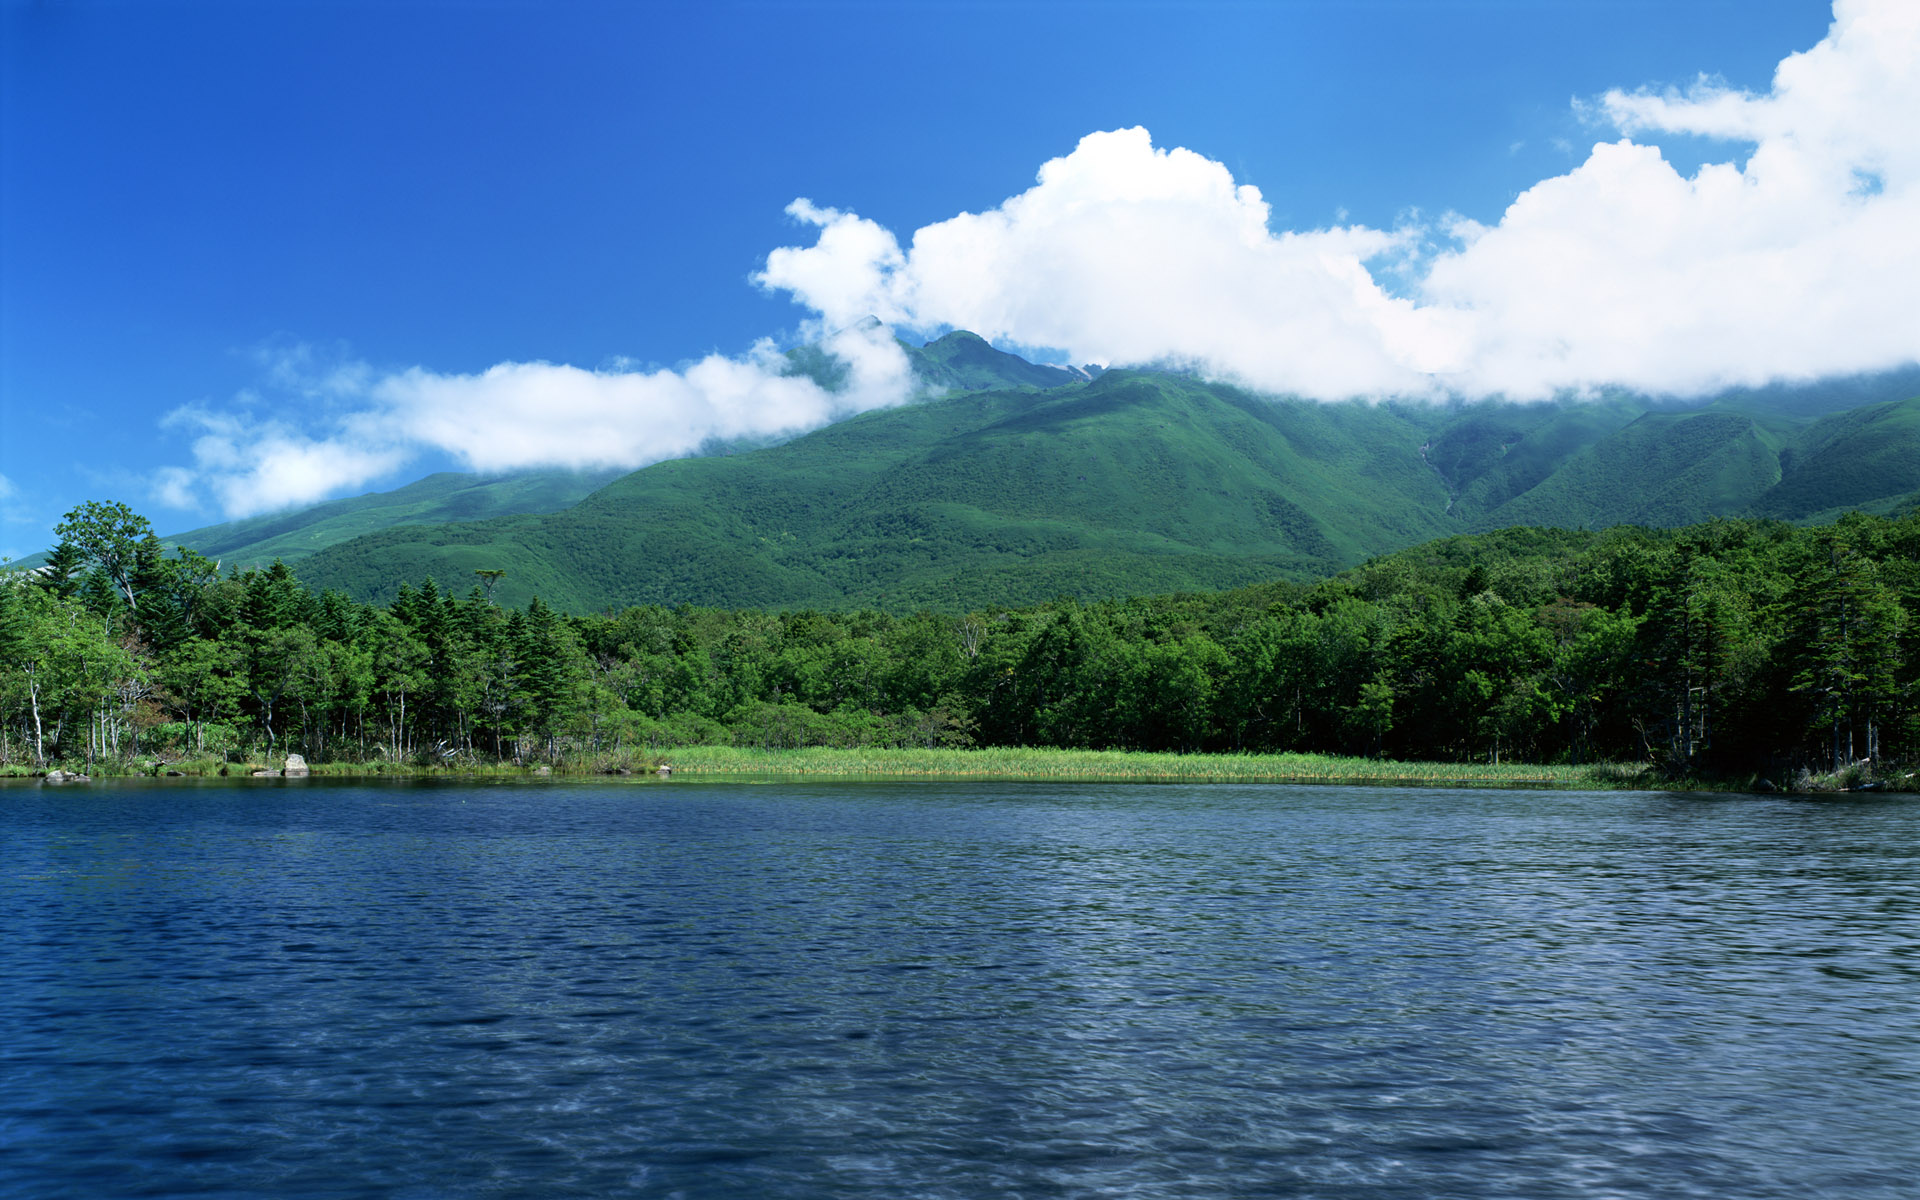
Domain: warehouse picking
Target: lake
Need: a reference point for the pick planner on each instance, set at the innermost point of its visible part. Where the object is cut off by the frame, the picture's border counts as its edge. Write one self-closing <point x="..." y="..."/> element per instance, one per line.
<point x="954" y="989"/>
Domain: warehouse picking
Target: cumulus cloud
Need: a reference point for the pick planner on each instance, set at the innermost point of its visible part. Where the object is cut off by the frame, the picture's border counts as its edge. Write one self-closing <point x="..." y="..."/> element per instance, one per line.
<point x="252" y="465"/>
<point x="538" y="414"/>
<point x="1803" y="261"/>
<point x="510" y="417"/>
<point x="1124" y="252"/>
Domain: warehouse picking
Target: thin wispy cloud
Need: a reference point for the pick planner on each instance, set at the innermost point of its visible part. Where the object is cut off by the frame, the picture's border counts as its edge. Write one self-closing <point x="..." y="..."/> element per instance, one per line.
<point x="1795" y="255"/>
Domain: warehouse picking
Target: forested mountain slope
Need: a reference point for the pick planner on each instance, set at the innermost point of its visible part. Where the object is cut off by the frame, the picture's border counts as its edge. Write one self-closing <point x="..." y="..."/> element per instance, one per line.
<point x="1132" y="482"/>
<point x="1139" y="481"/>
<point x="1866" y="458"/>
<point x="1011" y="482"/>
<point x="1663" y="468"/>
<point x="957" y="362"/>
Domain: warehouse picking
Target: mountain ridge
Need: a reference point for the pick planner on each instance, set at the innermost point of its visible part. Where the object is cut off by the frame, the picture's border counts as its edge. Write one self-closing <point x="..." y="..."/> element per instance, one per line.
<point x="1007" y="482"/>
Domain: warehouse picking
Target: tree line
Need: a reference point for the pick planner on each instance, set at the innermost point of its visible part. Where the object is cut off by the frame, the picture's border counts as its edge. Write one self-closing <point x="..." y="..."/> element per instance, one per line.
<point x="1733" y="645"/>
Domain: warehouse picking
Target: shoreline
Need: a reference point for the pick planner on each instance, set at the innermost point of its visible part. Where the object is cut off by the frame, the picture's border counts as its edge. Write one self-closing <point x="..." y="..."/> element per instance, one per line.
<point x="1026" y="764"/>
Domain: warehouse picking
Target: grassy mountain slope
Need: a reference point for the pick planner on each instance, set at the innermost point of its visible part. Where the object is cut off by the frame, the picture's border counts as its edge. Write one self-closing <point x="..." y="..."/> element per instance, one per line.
<point x="437" y="499"/>
<point x="1804" y="402"/>
<point x="1625" y="458"/>
<point x="1133" y="482"/>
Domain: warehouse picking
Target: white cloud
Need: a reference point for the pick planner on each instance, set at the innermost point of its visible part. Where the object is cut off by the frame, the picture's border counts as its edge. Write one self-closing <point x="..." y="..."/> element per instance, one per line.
<point x="1787" y="266"/>
<point x="252" y="465"/>
<point x="1127" y="253"/>
<point x="1804" y="261"/>
<point x="509" y="417"/>
<point x="539" y="415"/>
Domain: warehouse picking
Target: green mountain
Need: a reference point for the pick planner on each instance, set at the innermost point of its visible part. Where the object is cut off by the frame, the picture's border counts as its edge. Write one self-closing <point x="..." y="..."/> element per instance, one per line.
<point x="967" y="362"/>
<point x="1662" y="468"/>
<point x="1490" y="454"/>
<point x="1131" y="482"/>
<point x="1616" y="461"/>
<point x="1806" y="402"/>
<point x="1134" y="482"/>
<point x="958" y="362"/>
<point x="1867" y="458"/>
<point x="1009" y="482"/>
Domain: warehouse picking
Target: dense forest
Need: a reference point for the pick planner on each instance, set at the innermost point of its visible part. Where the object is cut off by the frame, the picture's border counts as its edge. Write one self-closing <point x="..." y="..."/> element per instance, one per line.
<point x="1732" y="646"/>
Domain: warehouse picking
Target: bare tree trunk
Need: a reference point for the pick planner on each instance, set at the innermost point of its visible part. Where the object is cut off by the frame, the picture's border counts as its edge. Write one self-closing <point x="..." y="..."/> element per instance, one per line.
<point x="39" y="737"/>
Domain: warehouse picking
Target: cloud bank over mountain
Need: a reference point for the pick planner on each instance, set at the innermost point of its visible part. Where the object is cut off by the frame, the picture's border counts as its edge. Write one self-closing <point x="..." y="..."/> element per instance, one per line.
<point x="514" y="416"/>
<point x="1799" y="260"/>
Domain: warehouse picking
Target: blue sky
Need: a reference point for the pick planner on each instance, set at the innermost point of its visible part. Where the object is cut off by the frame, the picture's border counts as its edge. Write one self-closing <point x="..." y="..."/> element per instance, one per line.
<point x="253" y="254"/>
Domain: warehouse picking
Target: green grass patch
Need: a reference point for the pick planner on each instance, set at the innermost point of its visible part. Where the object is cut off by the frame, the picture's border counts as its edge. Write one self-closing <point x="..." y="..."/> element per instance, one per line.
<point x="1022" y="763"/>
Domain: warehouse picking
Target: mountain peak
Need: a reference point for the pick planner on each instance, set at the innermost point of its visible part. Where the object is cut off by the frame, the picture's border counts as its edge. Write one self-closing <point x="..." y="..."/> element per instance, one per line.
<point x="965" y="361"/>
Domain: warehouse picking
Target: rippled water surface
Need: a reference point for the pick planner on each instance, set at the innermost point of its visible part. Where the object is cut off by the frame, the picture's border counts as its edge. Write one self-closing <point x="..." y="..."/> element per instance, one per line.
<point x="954" y="989"/>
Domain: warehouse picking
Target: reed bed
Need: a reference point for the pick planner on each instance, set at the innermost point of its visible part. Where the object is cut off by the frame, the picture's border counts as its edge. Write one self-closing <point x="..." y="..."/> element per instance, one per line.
<point x="1014" y="763"/>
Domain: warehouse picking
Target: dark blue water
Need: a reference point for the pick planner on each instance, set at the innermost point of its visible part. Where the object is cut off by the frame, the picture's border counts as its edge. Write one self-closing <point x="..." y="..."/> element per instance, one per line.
<point x="942" y="989"/>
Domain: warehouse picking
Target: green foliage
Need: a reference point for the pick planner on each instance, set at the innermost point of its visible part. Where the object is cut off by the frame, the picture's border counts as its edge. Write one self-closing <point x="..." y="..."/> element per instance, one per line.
<point x="61" y="572"/>
<point x="109" y="535"/>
